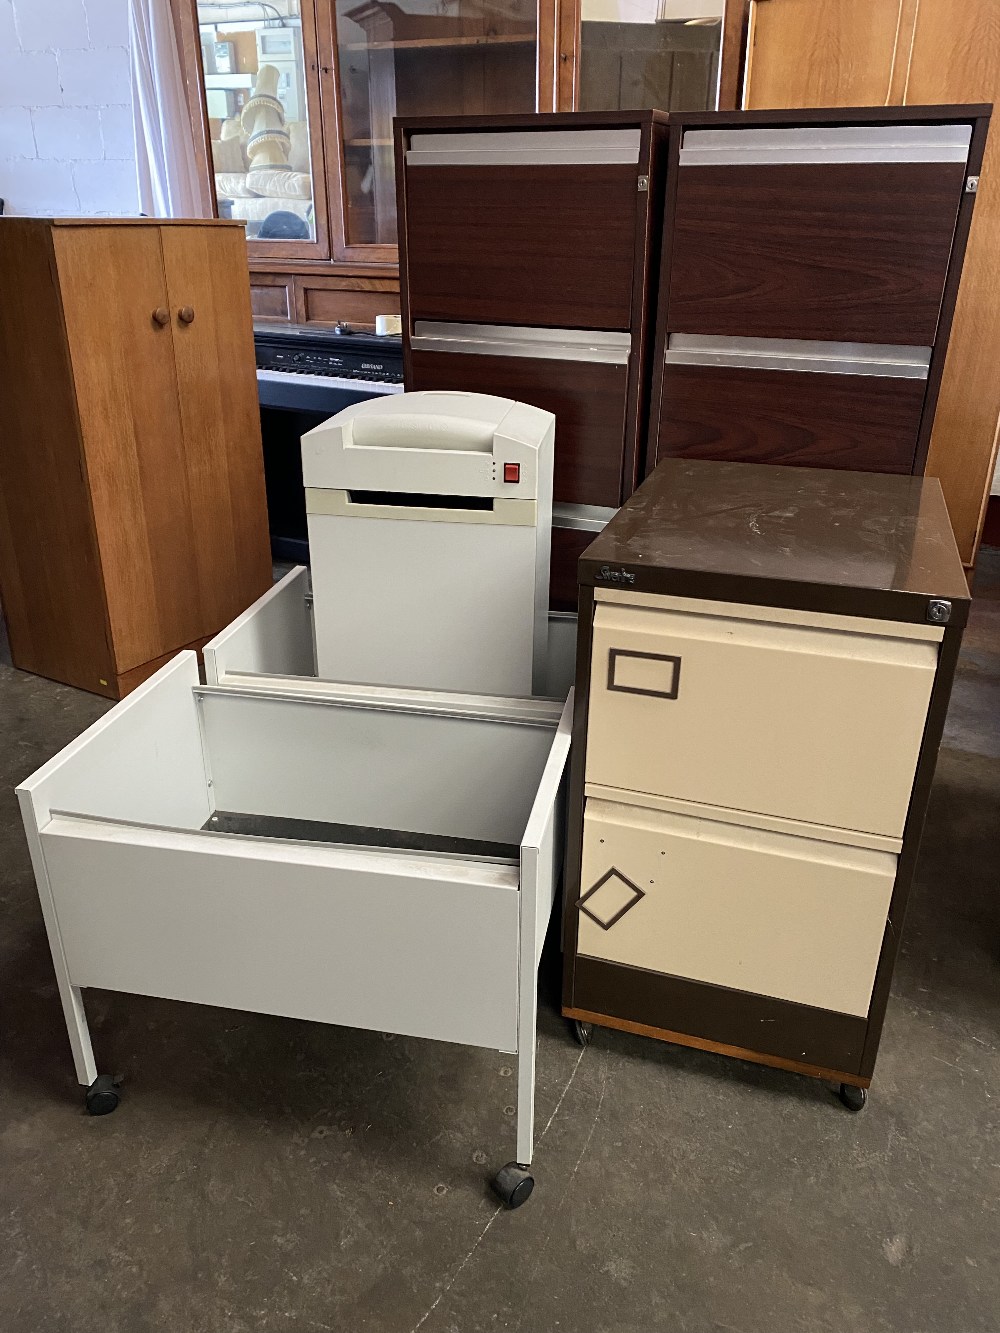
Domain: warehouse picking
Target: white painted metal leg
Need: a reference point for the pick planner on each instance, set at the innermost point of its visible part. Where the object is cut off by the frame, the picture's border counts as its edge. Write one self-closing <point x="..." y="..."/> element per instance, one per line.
<point x="70" y="995"/>
<point x="79" y="1036"/>
<point x="541" y="854"/>
<point x="526" y="1074"/>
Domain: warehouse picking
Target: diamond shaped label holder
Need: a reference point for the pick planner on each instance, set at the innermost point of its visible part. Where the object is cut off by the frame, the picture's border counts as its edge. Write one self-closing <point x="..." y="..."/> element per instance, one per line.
<point x="607" y="901"/>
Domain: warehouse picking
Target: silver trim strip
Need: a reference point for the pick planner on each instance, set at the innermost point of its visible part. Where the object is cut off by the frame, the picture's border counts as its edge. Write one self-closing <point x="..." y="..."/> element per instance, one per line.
<point x="511" y="340"/>
<point x="523" y="147"/>
<point x="827" y="358"/>
<point x="585" y="518"/>
<point x="534" y="712"/>
<point x="826" y="144"/>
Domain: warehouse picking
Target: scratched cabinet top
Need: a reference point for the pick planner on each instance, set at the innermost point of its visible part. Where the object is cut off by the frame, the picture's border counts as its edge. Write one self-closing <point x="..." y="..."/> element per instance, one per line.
<point x="852" y="543"/>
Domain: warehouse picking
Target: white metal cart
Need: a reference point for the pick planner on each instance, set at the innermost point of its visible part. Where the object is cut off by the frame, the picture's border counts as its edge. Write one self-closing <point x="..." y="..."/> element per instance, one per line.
<point x="375" y="857"/>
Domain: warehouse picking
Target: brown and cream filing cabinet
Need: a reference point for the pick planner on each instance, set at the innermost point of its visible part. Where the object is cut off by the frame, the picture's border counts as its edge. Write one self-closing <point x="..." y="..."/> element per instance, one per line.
<point x="764" y="664"/>
<point x="526" y="250"/>
<point x="810" y="268"/>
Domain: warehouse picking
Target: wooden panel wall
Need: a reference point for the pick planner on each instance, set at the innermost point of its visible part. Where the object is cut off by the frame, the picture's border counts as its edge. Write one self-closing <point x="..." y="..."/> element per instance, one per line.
<point x="834" y="53"/>
<point x="956" y="57"/>
<point x="908" y="52"/>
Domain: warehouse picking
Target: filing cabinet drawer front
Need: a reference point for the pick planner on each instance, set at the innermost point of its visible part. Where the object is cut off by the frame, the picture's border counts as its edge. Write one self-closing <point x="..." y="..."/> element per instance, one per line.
<point x="772" y="914"/>
<point x="852" y="252"/>
<point x="865" y="423"/>
<point x="588" y="399"/>
<point x="793" y="720"/>
<point x="546" y="245"/>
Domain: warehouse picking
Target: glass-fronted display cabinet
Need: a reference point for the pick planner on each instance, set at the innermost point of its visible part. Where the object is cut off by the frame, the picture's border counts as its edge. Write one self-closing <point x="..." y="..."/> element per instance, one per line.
<point x="656" y="53"/>
<point x="262" y="108"/>
<point x="428" y="57"/>
<point x="293" y="101"/>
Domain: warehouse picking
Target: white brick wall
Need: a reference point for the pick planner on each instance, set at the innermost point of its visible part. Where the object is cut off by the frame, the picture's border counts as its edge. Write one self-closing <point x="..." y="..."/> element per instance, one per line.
<point x="65" y="108"/>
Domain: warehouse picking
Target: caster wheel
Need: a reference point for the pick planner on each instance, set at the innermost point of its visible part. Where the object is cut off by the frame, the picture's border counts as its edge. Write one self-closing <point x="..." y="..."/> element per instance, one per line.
<point x="853" y="1098"/>
<point x="513" y="1184"/>
<point x="102" y="1096"/>
<point x="583" y="1032"/>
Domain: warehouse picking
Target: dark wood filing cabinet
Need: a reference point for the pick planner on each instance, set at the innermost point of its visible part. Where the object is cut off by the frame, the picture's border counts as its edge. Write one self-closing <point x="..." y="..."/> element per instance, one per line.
<point x="527" y="245"/>
<point x="765" y="657"/>
<point x="808" y="280"/>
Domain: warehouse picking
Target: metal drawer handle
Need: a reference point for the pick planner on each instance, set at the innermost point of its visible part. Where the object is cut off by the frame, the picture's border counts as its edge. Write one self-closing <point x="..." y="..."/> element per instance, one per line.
<point x="615" y="654"/>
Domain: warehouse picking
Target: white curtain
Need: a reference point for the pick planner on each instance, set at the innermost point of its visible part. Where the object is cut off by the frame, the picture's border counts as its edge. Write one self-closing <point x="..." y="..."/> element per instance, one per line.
<point x="169" y="185"/>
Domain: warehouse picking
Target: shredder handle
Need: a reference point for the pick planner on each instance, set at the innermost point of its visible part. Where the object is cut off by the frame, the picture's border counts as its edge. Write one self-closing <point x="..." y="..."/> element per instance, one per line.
<point x="401" y="430"/>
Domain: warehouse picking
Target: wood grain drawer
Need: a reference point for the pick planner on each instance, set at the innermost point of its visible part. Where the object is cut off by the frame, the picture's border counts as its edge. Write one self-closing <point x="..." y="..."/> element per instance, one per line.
<point x="732" y="905"/>
<point x="547" y="244"/>
<point x="848" y="251"/>
<point x="272" y="296"/>
<point x="354" y="302"/>
<point x="587" y="398"/>
<point x="866" y="423"/>
<point x="813" y="718"/>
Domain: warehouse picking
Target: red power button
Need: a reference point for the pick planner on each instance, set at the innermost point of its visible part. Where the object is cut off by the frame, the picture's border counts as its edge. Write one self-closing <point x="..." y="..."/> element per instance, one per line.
<point x="512" y="471"/>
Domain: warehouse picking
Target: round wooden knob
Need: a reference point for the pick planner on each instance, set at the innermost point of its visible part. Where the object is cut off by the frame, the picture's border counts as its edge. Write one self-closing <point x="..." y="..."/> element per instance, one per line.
<point x="161" y="316"/>
<point x="186" y="314"/>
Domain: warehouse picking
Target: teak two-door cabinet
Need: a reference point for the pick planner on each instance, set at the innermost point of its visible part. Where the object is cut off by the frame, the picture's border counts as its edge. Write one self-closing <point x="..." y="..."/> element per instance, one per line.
<point x="133" y="519"/>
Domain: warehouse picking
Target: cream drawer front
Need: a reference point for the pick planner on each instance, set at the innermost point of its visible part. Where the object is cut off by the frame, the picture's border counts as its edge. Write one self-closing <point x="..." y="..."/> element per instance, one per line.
<point x="801" y="721"/>
<point x="734" y="906"/>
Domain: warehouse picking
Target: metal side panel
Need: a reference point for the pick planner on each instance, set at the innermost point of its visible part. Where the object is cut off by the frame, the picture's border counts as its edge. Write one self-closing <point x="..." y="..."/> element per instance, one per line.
<point x="825" y="144"/>
<point x="524" y="148"/>
<point x="454" y="606"/>
<point x="143" y="760"/>
<point x="311" y="758"/>
<point x="608" y="348"/>
<point x="560" y="669"/>
<point x="583" y="518"/>
<point x="366" y="939"/>
<point x="274" y="636"/>
<point x="801" y="354"/>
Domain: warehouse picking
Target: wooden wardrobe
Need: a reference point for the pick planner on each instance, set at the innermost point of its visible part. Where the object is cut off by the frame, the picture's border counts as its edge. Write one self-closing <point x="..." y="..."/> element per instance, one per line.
<point x="901" y="53"/>
<point x="133" y="520"/>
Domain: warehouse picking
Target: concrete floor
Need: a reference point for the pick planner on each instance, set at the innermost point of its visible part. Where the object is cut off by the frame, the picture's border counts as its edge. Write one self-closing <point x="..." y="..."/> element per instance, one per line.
<point x="268" y="1175"/>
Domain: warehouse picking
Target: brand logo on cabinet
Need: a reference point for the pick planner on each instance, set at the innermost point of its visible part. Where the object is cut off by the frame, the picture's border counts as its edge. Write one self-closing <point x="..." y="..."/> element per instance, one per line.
<point x="610" y="575"/>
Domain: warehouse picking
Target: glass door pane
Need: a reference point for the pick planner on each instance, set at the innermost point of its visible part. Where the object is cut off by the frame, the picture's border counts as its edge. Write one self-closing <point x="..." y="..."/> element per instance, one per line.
<point x="253" y="65"/>
<point x="420" y="58"/>
<point x="650" y="53"/>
